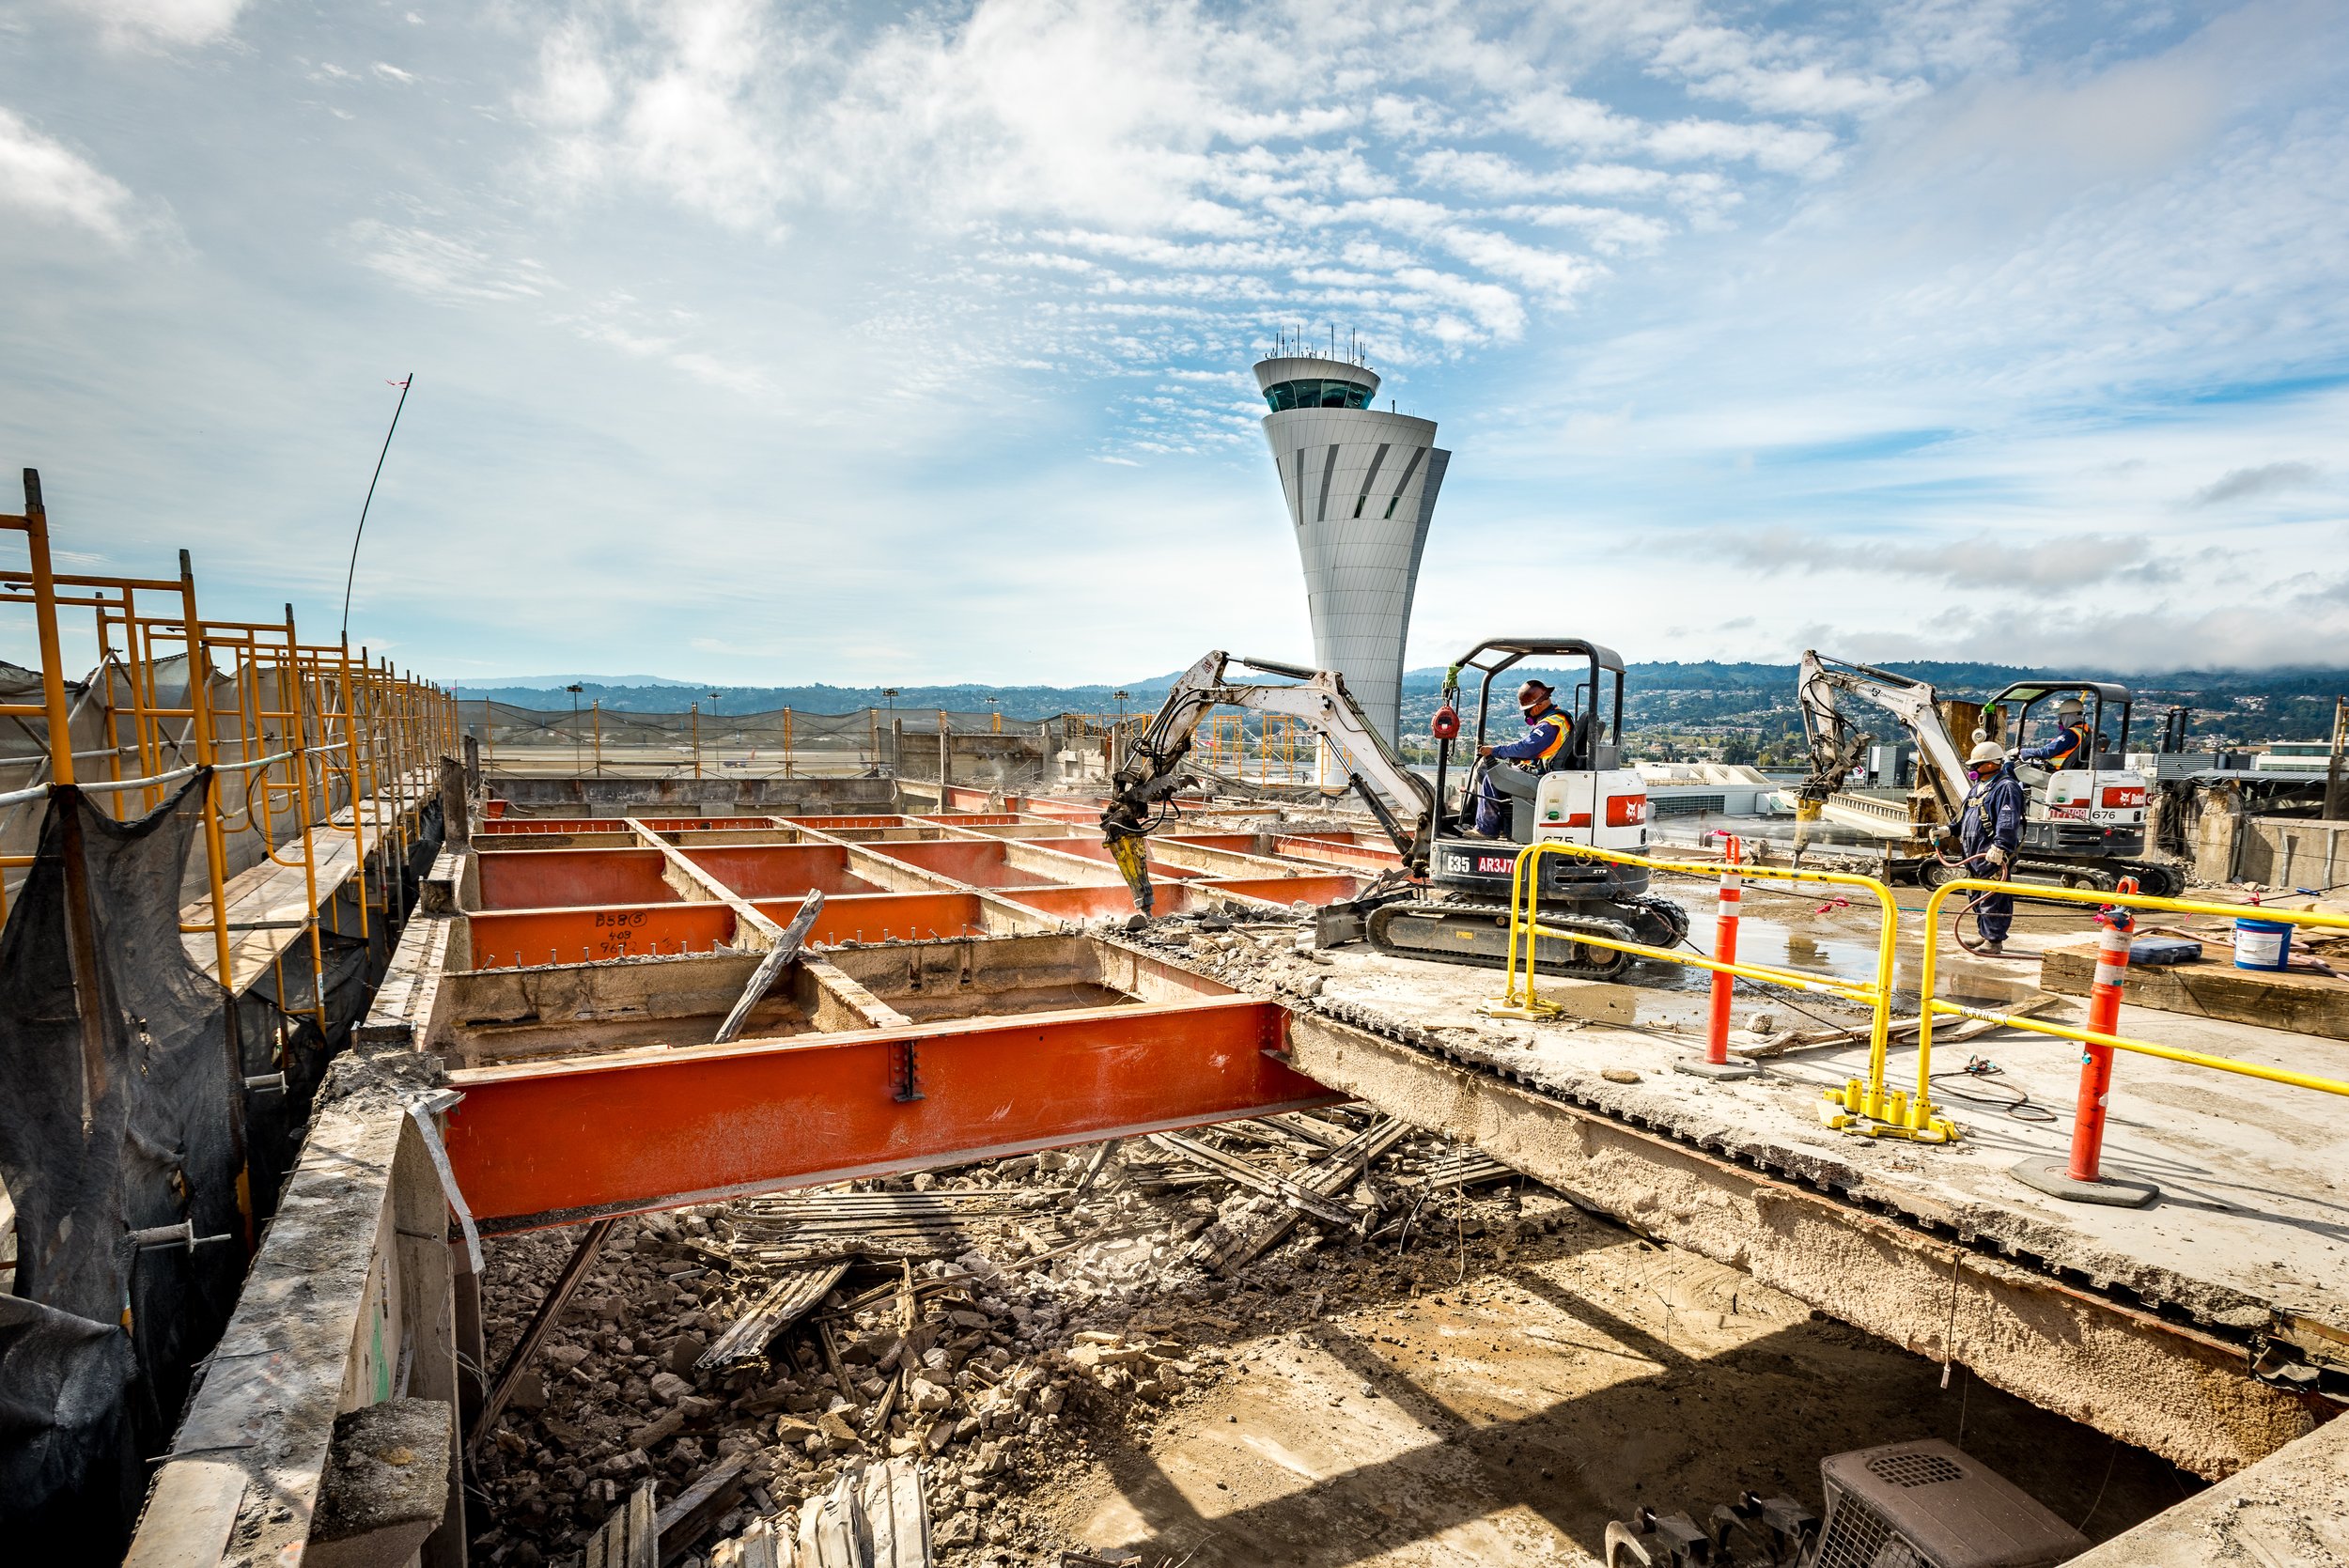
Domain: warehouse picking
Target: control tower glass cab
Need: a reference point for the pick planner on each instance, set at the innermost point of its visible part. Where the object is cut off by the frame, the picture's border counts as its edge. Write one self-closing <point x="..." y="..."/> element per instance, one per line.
<point x="1360" y="484"/>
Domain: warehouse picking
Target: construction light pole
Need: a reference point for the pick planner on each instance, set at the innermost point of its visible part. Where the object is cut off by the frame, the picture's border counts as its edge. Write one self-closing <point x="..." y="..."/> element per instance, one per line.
<point x="574" y="689"/>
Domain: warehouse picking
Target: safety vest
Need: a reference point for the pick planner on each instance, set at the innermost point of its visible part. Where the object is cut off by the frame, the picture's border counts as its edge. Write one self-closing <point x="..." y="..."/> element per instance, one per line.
<point x="1562" y="731"/>
<point x="2079" y="748"/>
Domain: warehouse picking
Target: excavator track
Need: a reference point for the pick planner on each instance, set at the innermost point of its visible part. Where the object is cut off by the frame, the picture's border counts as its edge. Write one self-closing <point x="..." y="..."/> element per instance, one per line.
<point x="1477" y="934"/>
<point x="2155" y="880"/>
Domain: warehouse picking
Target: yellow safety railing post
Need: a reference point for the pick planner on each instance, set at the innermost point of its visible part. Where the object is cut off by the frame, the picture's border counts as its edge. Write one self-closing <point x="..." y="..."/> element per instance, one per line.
<point x="1931" y="1005"/>
<point x="360" y="761"/>
<point x="207" y="757"/>
<point x="1867" y="1106"/>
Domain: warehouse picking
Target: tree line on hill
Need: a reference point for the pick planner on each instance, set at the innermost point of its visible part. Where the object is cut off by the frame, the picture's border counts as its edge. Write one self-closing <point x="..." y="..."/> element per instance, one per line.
<point x="1748" y="708"/>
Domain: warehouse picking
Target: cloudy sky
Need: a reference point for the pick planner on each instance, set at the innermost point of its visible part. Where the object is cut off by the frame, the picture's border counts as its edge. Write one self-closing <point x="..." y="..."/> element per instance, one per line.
<point x="770" y="343"/>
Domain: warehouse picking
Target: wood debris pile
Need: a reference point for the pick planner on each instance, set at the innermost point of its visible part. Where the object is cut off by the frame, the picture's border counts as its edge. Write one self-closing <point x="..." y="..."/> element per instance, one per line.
<point x="966" y="1323"/>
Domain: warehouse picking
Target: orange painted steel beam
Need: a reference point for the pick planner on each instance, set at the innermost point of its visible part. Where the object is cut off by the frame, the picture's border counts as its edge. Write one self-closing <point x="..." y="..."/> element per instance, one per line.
<point x="1094" y="850"/>
<point x="507" y="938"/>
<point x="545" y="1144"/>
<point x="779" y="870"/>
<point x="1289" y="889"/>
<point x="558" y="878"/>
<point x="1108" y="898"/>
<point x="1305" y="847"/>
<point x="879" y="917"/>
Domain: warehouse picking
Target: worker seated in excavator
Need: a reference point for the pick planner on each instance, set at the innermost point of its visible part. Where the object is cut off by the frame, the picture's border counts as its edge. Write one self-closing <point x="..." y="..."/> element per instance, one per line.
<point x="2069" y="747"/>
<point x="1516" y="769"/>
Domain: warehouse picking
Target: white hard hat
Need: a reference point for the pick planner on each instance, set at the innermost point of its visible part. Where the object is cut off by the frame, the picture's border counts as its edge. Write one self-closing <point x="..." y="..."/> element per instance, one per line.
<point x="2070" y="708"/>
<point x="1988" y="751"/>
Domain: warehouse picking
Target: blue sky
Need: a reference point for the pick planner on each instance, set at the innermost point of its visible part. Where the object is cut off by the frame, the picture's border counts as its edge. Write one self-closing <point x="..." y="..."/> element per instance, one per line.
<point x="781" y="342"/>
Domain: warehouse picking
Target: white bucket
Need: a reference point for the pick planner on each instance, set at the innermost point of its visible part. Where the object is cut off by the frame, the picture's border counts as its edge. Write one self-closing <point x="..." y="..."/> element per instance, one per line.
<point x="2261" y="944"/>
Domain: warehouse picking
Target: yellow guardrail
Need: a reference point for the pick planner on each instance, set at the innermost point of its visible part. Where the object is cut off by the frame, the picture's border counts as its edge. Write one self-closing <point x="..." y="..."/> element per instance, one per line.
<point x="1866" y="1106"/>
<point x="1934" y="1007"/>
<point x="1870" y="1106"/>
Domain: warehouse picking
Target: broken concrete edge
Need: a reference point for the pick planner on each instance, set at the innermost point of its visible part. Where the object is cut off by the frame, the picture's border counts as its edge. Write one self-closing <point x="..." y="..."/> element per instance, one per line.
<point x="2264" y="1514"/>
<point x="2179" y="1392"/>
<point x="2216" y="1309"/>
<point x="407" y="1000"/>
<point x="386" y="1486"/>
<point x="355" y="1265"/>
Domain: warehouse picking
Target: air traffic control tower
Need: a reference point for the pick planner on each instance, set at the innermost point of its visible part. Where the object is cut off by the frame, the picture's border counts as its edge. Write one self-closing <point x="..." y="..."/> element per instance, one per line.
<point x="1361" y="486"/>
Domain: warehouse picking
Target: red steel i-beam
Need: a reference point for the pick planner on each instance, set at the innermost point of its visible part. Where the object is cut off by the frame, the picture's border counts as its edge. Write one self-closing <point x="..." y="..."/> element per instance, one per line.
<point x="555" y="1142"/>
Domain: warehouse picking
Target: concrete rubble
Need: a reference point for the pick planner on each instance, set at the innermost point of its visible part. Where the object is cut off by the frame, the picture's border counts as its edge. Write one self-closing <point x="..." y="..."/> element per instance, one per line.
<point x="1042" y="1324"/>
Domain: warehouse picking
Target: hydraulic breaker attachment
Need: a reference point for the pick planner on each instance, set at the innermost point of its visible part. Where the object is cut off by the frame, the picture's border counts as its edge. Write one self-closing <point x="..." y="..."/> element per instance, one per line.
<point x="1132" y="853"/>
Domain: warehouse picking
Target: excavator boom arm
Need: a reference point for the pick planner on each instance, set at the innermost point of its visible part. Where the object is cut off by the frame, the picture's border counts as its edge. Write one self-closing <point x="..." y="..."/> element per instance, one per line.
<point x="1152" y="773"/>
<point x="1836" y="748"/>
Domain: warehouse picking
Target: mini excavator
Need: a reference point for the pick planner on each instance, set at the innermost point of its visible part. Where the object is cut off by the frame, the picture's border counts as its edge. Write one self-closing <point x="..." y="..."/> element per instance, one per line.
<point x="1450" y="900"/>
<point x="2083" y="825"/>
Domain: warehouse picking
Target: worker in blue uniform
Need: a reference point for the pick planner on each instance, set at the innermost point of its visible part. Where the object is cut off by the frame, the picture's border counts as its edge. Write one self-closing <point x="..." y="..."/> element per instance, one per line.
<point x="2068" y="747"/>
<point x="1989" y="832"/>
<point x="1516" y="770"/>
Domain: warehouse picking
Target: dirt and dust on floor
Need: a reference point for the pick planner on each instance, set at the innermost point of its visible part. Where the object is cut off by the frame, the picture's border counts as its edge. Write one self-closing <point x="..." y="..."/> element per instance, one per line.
<point x="1320" y="1338"/>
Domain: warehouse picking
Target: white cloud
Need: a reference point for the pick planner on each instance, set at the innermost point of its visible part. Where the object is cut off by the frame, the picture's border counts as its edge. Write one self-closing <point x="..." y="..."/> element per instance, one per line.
<point x="1949" y="290"/>
<point x="161" y="23"/>
<point x="441" y="267"/>
<point x="42" y="178"/>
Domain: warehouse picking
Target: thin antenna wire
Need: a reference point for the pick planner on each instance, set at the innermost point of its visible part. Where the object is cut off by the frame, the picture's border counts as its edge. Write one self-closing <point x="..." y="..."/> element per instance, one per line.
<point x="349" y="576"/>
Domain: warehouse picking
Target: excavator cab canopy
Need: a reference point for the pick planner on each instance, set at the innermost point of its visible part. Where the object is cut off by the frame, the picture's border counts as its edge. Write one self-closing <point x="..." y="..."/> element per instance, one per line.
<point x="1595" y="701"/>
<point x="1595" y="704"/>
<point x="2009" y="716"/>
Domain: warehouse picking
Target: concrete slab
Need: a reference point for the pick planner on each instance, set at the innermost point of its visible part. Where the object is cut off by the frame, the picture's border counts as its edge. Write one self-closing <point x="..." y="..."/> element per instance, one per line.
<point x="2252" y="1231"/>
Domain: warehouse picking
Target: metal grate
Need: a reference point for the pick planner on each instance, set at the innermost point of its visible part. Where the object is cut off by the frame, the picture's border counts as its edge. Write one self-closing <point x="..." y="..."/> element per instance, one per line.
<point x="1686" y="804"/>
<point x="1914" y="1469"/>
<point x="1857" y="1536"/>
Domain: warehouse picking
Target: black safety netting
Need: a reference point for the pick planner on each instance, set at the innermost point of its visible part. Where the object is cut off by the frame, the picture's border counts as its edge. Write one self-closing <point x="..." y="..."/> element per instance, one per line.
<point x="117" y="1113"/>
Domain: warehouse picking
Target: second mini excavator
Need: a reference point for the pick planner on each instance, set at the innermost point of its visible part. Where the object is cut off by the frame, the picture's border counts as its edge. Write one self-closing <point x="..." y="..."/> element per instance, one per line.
<point x="2083" y="825"/>
<point x="1450" y="900"/>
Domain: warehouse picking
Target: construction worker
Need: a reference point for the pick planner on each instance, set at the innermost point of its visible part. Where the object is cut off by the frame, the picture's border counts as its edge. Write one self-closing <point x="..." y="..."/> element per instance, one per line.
<point x="2068" y="747"/>
<point x="1516" y="770"/>
<point x="1989" y="832"/>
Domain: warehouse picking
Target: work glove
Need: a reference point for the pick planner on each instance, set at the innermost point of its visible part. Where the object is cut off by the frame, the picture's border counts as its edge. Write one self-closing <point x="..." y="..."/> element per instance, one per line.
<point x="1997" y="857"/>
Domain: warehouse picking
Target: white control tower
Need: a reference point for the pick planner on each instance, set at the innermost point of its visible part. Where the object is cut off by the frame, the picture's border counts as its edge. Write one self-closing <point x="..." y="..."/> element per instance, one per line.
<point x="1362" y="488"/>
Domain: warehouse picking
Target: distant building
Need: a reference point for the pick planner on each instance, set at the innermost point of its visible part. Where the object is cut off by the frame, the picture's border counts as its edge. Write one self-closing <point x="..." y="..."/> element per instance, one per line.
<point x="1361" y="486"/>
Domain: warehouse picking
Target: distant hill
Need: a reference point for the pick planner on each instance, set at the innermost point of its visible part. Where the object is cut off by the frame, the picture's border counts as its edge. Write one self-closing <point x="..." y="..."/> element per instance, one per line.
<point x="1691" y="701"/>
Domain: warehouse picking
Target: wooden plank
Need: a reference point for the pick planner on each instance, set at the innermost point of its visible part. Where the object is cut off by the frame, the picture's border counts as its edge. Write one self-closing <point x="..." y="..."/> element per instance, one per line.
<point x="690" y="1515"/>
<point x="791" y="1296"/>
<point x="2302" y="1003"/>
<point x="542" y="1323"/>
<point x="190" y="1516"/>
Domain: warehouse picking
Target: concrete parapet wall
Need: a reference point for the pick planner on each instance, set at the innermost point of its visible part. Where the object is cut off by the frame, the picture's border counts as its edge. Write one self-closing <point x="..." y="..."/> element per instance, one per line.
<point x="613" y="797"/>
<point x="2284" y="852"/>
<point x="351" y="1300"/>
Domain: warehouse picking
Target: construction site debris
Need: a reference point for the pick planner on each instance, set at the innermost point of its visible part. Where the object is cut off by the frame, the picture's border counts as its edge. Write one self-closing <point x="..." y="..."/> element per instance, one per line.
<point x="731" y="1360"/>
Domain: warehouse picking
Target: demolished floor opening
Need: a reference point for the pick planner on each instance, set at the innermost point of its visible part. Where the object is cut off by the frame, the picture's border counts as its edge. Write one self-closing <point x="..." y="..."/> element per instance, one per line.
<point x="1490" y="1374"/>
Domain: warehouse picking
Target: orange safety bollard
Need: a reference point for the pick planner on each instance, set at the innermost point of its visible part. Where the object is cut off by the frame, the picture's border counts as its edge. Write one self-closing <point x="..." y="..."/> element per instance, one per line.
<point x="1717" y="1064"/>
<point x="2081" y="1175"/>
